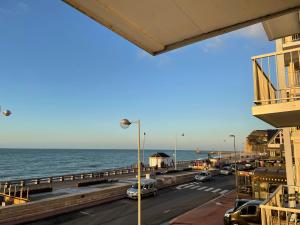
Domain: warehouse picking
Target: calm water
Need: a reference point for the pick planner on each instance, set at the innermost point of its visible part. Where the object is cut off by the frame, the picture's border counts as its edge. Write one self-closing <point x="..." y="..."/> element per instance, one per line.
<point x="28" y="163"/>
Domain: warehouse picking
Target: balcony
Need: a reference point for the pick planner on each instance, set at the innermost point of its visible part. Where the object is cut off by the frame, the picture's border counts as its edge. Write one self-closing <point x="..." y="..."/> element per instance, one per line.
<point x="282" y="207"/>
<point x="291" y="41"/>
<point x="277" y="88"/>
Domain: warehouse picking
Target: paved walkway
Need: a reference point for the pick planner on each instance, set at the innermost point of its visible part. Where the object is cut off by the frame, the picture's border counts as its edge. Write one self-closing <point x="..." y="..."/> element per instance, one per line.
<point x="211" y="213"/>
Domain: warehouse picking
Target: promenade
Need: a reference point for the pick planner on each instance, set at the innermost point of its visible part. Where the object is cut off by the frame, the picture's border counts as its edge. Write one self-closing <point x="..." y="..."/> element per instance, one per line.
<point x="210" y="213"/>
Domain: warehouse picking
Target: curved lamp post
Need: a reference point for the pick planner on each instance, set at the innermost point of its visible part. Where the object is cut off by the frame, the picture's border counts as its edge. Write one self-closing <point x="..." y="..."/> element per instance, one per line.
<point x="236" y="181"/>
<point x="125" y="123"/>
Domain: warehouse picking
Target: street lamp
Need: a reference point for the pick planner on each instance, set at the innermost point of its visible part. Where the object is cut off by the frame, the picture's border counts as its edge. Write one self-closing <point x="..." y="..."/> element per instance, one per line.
<point x="6" y="112"/>
<point x="125" y="123"/>
<point x="236" y="181"/>
<point x="175" y="152"/>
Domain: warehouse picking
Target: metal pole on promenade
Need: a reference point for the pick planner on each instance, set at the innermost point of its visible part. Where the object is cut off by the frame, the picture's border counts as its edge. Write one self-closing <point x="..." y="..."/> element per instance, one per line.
<point x="175" y="153"/>
<point x="144" y="148"/>
<point x="125" y="123"/>
<point x="236" y="179"/>
<point x="139" y="175"/>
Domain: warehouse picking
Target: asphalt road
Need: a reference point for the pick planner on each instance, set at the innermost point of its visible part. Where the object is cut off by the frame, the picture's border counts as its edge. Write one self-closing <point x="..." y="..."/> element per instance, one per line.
<point x="170" y="203"/>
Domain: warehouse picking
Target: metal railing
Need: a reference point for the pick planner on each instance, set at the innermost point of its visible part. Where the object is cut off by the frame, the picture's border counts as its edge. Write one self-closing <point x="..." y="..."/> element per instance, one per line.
<point x="296" y="37"/>
<point x="282" y="207"/>
<point x="84" y="176"/>
<point x="276" y="77"/>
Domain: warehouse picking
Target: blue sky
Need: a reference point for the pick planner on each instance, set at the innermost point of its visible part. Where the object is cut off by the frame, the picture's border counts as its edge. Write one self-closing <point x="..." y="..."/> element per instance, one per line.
<point x="68" y="82"/>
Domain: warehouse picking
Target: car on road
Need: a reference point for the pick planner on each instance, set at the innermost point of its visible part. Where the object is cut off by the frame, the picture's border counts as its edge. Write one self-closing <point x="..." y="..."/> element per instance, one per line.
<point x="148" y="187"/>
<point x="226" y="170"/>
<point x="245" y="212"/>
<point x="203" y="176"/>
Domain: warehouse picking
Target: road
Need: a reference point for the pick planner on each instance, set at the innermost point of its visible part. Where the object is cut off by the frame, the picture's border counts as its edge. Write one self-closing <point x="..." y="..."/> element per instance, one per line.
<point x="170" y="203"/>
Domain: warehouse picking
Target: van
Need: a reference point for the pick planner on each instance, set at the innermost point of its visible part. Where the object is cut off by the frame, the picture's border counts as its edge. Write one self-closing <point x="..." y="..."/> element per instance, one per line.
<point x="148" y="187"/>
<point x="246" y="213"/>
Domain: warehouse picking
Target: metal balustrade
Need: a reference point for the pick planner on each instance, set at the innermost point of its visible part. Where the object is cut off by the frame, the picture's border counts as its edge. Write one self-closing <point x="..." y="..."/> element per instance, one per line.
<point x="276" y="77"/>
<point x="83" y="176"/>
<point x="296" y="37"/>
<point x="282" y="207"/>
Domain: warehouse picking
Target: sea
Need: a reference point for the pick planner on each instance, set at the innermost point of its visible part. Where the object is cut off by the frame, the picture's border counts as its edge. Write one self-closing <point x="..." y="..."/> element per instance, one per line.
<point x="33" y="163"/>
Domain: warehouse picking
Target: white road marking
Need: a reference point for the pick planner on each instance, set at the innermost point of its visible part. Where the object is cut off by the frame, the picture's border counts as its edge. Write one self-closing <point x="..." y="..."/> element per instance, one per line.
<point x="179" y="187"/>
<point x="223" y="192"/>
<point x="194" y="187"/>
<point x="189" y="186"/>
<point x="209" y="189"/>
<point x="85" y="213"/>
<point x="218" y="189"/>
<point x="199" y="189"/>
<point x="166" y="211"/>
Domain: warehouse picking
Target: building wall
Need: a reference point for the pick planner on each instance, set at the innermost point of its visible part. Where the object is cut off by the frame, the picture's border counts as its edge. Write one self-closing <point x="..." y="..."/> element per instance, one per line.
<point x="157" y="161"/>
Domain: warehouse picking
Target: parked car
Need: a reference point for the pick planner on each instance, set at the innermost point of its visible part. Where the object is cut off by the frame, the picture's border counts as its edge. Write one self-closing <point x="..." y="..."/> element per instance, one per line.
<point x="246" y="212"/>
<point x="148" y="187"/>
<point x="226" y="170"/>
<point x="203" y="176"/>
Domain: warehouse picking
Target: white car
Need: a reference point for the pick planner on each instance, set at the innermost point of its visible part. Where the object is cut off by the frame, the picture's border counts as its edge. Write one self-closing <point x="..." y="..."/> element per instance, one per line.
<point x="226" y="170"/>
<point x="203" y="176"/>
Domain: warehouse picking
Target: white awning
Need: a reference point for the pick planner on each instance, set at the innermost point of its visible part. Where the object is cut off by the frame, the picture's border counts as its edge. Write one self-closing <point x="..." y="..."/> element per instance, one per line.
<point x="162" y="25"/>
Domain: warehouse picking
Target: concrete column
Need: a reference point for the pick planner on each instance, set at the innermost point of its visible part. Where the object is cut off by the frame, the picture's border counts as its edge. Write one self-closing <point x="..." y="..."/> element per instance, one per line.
<point x="289" y="164"/>
<point x="296" y="145"/>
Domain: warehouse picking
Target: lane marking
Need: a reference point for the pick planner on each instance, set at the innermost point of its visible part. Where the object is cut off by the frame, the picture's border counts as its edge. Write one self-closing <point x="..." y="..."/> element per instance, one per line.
<point x="179" y="187"/>
<point x="85" y="213"/>
<point x="194" y="187"/>
<point x="199" y="189"/>
<point x="209" y="189"/>
<point x="223" y="192"/>
<point x="218" y="189"/>
<point x="189" y="186"/>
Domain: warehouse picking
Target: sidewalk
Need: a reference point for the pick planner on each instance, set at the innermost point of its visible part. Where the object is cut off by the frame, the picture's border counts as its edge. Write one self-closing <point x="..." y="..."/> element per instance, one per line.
<point x="210" y="213"/>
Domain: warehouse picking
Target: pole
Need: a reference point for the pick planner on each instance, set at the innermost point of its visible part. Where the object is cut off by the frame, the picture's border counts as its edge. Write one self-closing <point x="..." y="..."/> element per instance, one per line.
<point x="175" y="157"/>
<point x="144" y="148"/>
<point x="139" y="174"/>
<point x="236" y="180"/>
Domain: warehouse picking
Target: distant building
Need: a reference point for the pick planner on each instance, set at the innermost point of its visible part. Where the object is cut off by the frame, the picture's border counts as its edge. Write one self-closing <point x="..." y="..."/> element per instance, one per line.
<point x="267" y="142"/>
<point x="160" y="160"/>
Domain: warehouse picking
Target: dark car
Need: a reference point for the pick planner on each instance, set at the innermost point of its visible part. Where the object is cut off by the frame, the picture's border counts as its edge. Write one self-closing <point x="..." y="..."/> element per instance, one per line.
<point x="246" y="212"/>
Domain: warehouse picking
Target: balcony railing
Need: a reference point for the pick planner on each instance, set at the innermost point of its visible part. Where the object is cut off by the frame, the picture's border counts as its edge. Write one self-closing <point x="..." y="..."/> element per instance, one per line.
<point x="291" y="39"/>
<point x="296" y="37"/>
<point x="282" y="207"/>
<point x="276" y="77"/>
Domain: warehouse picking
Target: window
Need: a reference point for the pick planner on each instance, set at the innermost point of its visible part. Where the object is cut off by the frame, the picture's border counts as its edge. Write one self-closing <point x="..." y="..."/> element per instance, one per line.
<point x="248" y="210"/>
<point x="244" y="211"/>
<point x="251" y="210"/>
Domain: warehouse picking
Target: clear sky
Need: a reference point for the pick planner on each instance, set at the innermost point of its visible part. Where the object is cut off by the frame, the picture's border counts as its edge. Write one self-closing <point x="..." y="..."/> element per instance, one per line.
<point x="69" y="81"/>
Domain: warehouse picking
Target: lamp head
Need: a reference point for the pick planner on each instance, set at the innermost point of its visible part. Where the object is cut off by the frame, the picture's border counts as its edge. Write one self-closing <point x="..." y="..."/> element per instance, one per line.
<point x="231" y="135"/>
<point x="6" y="113"/>
<point x="125" y="123"/>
